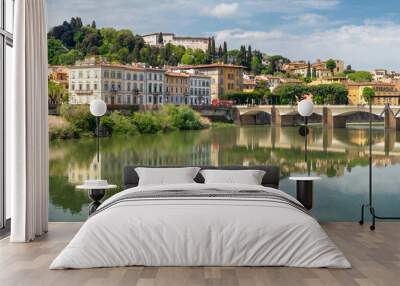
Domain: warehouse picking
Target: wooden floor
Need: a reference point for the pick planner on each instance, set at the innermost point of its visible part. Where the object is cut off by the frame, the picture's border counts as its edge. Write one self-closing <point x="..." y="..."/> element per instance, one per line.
<point x="375" y="257"/>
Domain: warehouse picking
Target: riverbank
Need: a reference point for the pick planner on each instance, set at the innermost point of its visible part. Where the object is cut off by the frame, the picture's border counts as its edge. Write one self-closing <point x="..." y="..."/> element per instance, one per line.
<point x="77" y="122"/>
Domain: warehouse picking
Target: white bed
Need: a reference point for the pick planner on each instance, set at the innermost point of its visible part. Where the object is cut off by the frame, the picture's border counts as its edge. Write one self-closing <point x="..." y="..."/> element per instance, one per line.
<point x="200" y="231"/>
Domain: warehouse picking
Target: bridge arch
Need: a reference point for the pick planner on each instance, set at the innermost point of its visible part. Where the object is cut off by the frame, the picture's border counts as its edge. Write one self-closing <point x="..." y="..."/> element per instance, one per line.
<point x="255" y="117"/>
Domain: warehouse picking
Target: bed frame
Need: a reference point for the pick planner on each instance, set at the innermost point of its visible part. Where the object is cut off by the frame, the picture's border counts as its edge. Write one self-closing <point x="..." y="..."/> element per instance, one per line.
<point x="270" y="179"/>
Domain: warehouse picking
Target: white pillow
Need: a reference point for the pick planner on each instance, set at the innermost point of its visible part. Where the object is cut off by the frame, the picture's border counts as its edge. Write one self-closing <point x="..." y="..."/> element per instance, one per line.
<point x="166" y="176"/>
<point x="248" y="177"/>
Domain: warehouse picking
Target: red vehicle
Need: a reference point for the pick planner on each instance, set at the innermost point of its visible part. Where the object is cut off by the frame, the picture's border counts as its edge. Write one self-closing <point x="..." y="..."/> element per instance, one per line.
<point x="221" y="103"/>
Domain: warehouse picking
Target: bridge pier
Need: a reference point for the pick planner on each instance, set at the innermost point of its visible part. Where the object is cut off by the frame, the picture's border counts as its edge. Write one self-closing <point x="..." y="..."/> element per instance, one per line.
<point x="327" y="137"/>
<point x="275" y="117"/>
<point x="390" y="120"/>
<point x="331" y="121"/>
<point x="327" y="118"/>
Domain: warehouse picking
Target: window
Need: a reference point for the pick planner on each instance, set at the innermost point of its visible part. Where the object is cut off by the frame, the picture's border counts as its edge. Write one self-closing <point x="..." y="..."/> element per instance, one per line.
<point x="134" y="76"/>
<point x="129" y="86"/>
<point x="128" y="76"/>
<point x="95" y="86"/>
<point x="141" y="77"/>
<point x="106" y="74"/>
<point x="6" y="44"/>
<point x="112" y="74"/>
<point x="87" y="86"/>
<point x="106" y="86"/>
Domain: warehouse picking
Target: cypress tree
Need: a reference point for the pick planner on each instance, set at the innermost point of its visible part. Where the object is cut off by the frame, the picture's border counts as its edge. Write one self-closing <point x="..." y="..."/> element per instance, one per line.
<point x="225" y="53"/>
<point x="220" y="52"/>
<point x="213" y="48"/>
<point x="160" y="38"/>
<point x="308" y="74"/>
<point x="249" y="57"/>
<point x="209" y="51"/>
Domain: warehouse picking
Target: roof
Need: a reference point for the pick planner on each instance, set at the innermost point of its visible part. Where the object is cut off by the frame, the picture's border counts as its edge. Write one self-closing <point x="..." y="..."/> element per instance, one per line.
<point x="208" y="66"/>
<point x="152" y="34"/>
<point x="126" y="67"/>
<point x="176" y="74"/>
<point x="249" y="81"/>
<point x="370" y="83"/>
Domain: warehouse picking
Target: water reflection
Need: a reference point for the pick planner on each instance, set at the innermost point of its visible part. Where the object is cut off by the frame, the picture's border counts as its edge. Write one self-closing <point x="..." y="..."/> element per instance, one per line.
<point x="340" y="156"/>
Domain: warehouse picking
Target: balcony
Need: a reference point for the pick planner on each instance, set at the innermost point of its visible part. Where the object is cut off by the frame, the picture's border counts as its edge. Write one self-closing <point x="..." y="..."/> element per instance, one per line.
<point x="84" y="92"/>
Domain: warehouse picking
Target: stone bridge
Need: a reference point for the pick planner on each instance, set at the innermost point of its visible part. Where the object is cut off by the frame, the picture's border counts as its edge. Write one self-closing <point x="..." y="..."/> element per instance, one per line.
<point x="330" y="115"/>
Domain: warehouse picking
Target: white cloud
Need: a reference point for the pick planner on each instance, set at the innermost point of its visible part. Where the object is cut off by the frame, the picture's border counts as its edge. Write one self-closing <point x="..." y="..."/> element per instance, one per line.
<point x="306" y="19"/>
<point x="311" y="19"/>
<point x="365" y="46"/>
<point x="222" y="10"/>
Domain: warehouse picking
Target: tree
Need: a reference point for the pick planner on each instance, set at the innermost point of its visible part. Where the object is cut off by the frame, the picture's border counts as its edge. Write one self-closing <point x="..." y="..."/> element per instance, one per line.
<point x="256" y="62"/>
<point x="249" y="57"/>
<point x="209" y="51"/>
<point x="241" y="56"/>
<point x="57" y="93"/>
<point x="368" y="93"/>
<point x="330" y="65"/>
<point x="93" y="24"/>
<point x="188" y="57"/>
<point x="348" y="70"/>
<point x="225" y="53"/>
<point x="360" y="76"/>
<point x="334" y="93"/>
<point x="275" y="63"/>
<point x="220" y="52"/>
<point x="289" y="93"/>
<point x="54" y="50"/>
<point x="160" y="39"/>
<point x="213" y="49"/>
<point x="308" y="74"/>
<point x="243" y="97"/>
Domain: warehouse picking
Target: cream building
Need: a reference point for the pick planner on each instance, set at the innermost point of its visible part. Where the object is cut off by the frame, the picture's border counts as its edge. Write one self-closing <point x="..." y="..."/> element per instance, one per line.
<point x="115" y="84"/>
<point x="188" y="42"/>
<point x="318" y="67"/>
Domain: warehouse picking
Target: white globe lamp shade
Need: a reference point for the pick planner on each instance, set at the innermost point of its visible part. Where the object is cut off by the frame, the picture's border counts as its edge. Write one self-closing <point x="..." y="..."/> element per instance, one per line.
<point x="305" y="107"/>
<point x="98" y="107"/>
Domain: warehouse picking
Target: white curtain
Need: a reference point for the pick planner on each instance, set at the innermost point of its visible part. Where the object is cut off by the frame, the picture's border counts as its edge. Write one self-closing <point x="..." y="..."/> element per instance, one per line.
<point x="26" y="124"/>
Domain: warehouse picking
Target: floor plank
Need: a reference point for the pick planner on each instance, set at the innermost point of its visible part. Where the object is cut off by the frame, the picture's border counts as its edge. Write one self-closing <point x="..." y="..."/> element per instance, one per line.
<point x="375" y="257"/>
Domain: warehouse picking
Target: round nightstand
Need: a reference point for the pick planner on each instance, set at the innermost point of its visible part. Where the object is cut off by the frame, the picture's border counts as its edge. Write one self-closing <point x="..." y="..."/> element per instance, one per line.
<point x="304" y="190"/>
<point x="95" y="193"/>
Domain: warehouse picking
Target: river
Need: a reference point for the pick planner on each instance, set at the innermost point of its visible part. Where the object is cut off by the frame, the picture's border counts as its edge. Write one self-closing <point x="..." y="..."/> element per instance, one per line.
<point x="339" y="156"/>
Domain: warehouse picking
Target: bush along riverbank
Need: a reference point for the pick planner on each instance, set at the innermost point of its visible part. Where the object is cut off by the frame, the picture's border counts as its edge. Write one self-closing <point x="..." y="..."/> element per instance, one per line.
<point x="77" y="122"/>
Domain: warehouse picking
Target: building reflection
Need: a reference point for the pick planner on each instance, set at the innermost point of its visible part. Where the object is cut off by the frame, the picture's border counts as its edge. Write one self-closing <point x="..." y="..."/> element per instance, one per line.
<point x="331" y="151"/>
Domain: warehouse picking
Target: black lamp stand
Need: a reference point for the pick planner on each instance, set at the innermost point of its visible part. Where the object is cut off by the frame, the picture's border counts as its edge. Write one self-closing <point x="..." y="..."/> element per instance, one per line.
<point x="369" y="205"/>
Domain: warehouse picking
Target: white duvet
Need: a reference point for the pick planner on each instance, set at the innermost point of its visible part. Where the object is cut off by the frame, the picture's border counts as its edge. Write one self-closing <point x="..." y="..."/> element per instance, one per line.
<point x="202" y="232"/>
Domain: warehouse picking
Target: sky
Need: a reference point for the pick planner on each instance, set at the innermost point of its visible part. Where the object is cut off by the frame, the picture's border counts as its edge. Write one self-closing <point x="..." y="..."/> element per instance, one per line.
<point x="364" y="33"/>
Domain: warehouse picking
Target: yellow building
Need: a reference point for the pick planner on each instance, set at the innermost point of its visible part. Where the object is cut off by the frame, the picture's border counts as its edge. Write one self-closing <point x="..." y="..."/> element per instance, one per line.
<point x="329" y="80"/>
<point x="355" y="90"/>
<point x="225" y="78"/>
<point x="176" y="87"/>
<point x="59" y="74"/>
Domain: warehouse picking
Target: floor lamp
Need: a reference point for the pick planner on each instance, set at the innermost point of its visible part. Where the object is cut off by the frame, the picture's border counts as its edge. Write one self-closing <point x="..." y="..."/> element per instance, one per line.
<point x="305" y="109"/>
<point x="369" y="205"/>
<point x="98" y="108"/>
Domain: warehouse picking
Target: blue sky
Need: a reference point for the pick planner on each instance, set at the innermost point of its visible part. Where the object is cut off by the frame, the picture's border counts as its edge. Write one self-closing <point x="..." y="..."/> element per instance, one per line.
<point x="364" y="33"/>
